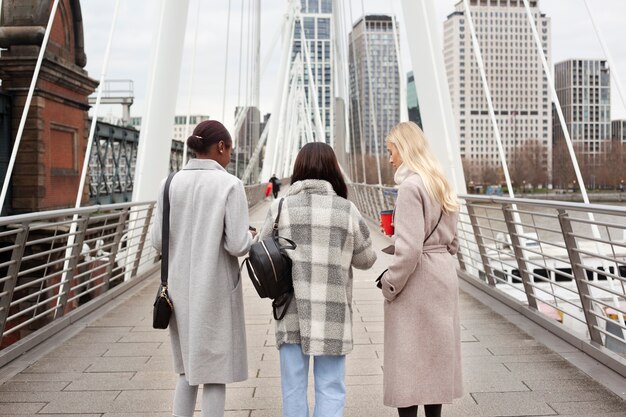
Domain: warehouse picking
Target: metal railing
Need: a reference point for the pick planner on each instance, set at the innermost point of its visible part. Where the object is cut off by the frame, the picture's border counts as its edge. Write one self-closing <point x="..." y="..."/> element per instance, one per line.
<point x="48" y="271"/>
<point x="51" y="275"/>
<point x="562" y="263"/>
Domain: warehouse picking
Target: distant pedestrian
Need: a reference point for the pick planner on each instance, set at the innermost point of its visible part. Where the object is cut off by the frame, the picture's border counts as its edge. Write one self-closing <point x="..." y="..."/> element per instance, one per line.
<point x="422" y="360"/>
<point x="331" y="238"/>
<point x="208" y="231"/>
<point x="275" y="181"/>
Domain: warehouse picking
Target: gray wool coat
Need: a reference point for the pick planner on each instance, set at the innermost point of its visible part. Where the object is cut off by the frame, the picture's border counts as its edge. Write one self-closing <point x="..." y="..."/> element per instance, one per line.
<point x="422" y="360"/>
<point x="208" y="231"/>
<point x="331" y="238"/>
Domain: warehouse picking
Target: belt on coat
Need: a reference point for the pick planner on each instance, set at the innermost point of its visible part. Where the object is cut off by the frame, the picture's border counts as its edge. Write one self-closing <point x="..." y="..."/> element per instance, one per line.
<point x="435" y="249"/>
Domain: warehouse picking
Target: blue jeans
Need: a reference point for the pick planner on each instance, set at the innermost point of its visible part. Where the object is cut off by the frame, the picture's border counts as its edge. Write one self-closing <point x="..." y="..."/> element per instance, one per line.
<point x="330" y="388"/>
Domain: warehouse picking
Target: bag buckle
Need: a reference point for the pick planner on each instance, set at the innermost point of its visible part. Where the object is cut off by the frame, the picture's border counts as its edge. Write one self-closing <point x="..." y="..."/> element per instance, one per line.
<point x="165" y="296"/>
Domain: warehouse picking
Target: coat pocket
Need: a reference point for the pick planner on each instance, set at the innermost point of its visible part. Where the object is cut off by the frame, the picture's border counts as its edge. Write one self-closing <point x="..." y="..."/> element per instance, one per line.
<point x="235" y="281"/>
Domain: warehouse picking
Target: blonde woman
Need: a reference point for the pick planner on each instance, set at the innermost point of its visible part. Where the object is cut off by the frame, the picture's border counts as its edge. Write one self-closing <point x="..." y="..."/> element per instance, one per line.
<point x="422" y="361"/>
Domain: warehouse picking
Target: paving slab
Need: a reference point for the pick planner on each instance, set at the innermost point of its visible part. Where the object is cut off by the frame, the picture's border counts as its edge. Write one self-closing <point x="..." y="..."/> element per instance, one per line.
<point x="118" y="366"/>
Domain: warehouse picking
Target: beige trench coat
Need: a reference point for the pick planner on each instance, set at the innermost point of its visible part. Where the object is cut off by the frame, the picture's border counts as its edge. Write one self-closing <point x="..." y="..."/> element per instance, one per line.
<point x="422" y="361"/>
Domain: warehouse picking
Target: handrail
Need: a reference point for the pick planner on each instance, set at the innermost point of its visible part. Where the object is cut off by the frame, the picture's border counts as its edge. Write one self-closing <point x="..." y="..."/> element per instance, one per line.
<point x="46" y="284"/>
<point x="556" y="271"/>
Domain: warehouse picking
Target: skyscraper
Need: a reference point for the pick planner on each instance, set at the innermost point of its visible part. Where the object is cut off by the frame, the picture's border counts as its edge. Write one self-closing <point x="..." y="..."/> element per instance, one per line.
<point x="584" y="90"/>
<point x="519" y="90"/>
<point x="246" y="143"/>
<point x="374" y="82"/>
<point x="412" y="102"/>
<point x="317" y="21"/>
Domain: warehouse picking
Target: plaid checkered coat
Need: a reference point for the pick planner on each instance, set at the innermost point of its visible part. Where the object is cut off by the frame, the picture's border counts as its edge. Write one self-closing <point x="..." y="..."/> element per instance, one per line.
<point x="332" y="237"/>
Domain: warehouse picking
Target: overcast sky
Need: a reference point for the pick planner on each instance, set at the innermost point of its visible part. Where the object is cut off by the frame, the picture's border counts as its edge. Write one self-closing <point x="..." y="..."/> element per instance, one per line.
<point x="572" y="37"/>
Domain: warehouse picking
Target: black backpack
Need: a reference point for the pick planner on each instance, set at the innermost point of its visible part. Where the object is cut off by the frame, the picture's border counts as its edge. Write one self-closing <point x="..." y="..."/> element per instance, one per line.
<point x="269" y="268"/>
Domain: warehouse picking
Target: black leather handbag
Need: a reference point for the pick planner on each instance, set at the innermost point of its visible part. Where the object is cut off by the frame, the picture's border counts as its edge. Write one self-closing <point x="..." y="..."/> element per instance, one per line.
<point x="269" y="268"/>
<point x="163" y="306"/>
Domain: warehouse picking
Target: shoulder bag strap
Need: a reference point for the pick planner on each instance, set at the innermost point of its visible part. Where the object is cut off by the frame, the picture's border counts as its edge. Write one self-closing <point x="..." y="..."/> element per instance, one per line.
<point x="434" y="228"/>
<point x="165" y="230"/>
<point x="275" y="228"/>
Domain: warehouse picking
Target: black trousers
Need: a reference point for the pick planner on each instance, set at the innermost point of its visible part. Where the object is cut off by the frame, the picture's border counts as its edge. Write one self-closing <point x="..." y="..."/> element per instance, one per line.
<point x="432" y="410"/>
<point x="275" y="192"/>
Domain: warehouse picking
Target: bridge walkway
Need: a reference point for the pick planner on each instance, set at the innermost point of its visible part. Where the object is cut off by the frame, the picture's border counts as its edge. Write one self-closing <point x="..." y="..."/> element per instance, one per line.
<point x="113" y="364"/>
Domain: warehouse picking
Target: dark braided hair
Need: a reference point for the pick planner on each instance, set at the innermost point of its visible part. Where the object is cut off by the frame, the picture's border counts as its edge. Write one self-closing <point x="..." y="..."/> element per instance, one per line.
<point x="208" y="133"/>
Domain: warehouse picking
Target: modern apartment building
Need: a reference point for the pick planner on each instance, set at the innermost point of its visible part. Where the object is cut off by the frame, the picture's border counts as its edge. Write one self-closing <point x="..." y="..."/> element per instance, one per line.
<point x="519" y="89"/>
<point x="317" y="24"/>
<point x="584" y="90"/>
<point x="374" y="81"/>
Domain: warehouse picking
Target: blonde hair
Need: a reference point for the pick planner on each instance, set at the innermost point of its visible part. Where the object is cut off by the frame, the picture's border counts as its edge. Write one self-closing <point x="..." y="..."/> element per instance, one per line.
<point x="416" y="155"/>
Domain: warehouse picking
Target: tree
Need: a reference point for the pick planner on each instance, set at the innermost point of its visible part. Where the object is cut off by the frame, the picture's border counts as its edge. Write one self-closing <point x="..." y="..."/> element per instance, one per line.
<point x="370" y="176"/>
<point x="612" y="168"/>
<point x="528" y="163"/>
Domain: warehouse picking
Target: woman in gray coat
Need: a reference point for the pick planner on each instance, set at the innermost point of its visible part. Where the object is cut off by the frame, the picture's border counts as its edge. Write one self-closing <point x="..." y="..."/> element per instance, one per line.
<point x="208" y="231"/>
<point x="422" y="361"/>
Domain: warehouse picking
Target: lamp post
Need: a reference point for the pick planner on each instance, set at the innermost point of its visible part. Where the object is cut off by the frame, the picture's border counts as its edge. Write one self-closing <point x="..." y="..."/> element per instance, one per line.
<point x="523" y="187"/>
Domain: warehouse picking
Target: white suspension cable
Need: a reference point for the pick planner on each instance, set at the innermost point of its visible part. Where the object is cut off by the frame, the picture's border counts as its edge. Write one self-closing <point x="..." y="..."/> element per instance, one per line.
<point x="29" y="98"/>
<point x="290" y="119"/>
<point x="483" y="75"/>
<point x="305" y="114"/>
<point x="609" y="57"/>
<point x="240" y="54"/>
<point x="249" y="60"/>
<point x="283" y="104"/>
<point x="256" y="86"/>
<point x="96" y="109"/>
<point x="557" y="102"/>
<point x="240" y="108"/>
<point x="594" y="228"/>
<point x="446" y="132"/>
<point x="312" y="84"/>
<point x="283" y="78"/>
<point x="226" y="60"/>
<point x="92" y="131"/>
<point x="191" y="77"/>
<point x="404" y="111"/>
<point x="496" y="129"/>
<point x="247" y="89"/>
<point x="373" y="116"/>
<point x="255" y="155"/>
<point x="273" y="44"/>
<point x="439" y="83"/>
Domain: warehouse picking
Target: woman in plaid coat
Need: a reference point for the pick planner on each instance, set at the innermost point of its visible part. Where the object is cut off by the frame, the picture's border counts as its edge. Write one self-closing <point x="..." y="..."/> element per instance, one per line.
<point x="331" y="238"/>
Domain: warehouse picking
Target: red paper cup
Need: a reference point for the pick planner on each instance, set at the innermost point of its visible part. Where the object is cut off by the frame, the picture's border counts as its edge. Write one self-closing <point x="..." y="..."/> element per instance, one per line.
<point x="386" y="220"/>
